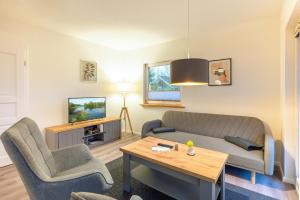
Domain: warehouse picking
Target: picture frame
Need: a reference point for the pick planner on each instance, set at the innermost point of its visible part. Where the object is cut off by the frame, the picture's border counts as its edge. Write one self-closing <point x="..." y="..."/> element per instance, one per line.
<point x="220" y="72"/>
<point x="88" y="71"/>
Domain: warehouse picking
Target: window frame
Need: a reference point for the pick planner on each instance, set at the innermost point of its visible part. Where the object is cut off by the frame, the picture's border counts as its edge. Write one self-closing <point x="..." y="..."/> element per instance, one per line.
<point x="158" y="103"/>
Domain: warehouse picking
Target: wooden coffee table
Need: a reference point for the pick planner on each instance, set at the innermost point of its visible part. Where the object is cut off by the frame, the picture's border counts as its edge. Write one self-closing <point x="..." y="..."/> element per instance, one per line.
<point x="175" y="173"/>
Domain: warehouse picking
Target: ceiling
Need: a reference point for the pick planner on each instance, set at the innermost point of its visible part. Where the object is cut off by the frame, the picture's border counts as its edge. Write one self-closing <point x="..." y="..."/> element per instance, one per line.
<point x="131" y="24"/>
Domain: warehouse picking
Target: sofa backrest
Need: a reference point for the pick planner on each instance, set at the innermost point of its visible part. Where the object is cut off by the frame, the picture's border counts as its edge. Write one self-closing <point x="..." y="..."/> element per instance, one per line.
<point x="27" y="138"/>
<point x="216" y="125"/>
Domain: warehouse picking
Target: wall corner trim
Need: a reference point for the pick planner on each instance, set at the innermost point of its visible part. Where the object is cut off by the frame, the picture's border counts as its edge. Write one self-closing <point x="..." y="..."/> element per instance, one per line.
<point x="278" y="164"/>
<point x="297" y="185"/>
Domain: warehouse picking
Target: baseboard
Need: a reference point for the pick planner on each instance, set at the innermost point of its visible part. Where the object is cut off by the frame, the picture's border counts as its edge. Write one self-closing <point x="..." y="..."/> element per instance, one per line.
<point x="289" y="180"/>
<point x="4" y="161"/>
<point x="137" y="132"/>
<point x="134" y="132"/>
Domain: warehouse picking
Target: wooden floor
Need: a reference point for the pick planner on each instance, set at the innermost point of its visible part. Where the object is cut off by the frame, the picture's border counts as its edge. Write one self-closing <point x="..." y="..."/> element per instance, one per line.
<point x="12" y="188"/>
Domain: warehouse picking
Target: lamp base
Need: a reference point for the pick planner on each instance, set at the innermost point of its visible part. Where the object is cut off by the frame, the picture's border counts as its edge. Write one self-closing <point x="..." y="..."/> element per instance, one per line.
<point x="123" y="115"/>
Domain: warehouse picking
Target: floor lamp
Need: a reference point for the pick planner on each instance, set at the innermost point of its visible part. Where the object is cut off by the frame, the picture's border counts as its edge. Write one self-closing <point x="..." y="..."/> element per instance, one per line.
<point x="125" y="88"/>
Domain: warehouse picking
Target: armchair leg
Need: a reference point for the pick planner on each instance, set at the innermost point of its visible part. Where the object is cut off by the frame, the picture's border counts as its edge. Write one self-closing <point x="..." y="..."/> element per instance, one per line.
<point x="253" y="174"/>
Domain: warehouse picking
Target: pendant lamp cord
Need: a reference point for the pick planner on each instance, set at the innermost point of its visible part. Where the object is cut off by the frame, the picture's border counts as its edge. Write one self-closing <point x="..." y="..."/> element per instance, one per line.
<point x="188" y="29"/>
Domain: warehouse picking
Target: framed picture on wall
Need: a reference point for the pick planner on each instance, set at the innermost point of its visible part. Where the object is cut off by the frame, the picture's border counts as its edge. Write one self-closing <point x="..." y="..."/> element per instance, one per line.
<point x="88" y="71"/>
<point x="220" y="72"/>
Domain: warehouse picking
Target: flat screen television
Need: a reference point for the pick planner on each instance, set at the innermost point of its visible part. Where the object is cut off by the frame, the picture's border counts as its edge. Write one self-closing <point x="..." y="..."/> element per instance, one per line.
<point x="87" y="108"/>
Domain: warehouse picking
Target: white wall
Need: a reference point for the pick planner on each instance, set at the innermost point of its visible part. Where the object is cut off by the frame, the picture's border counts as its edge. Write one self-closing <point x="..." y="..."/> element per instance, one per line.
<point x="254" y="49"/>
<point x="54" y="71"/>
<point x="289" y="18"/>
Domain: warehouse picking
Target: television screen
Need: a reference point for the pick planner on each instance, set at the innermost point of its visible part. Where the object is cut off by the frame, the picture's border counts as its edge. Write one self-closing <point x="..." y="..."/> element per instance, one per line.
<point x="81" y="109"/>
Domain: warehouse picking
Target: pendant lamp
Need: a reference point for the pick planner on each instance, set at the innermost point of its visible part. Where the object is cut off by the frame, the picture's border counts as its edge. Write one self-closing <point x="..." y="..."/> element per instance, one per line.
<point x="189" y="71"/>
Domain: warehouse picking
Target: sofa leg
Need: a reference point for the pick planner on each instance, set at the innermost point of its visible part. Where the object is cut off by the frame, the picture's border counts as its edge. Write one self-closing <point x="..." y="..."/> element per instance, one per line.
<point x="253" y="174"/>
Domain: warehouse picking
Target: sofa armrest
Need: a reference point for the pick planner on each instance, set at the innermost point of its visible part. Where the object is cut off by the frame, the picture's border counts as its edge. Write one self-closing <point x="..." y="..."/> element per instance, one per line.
<point x="148" y="126"/>
<point x="269" y="154"/>
<point x="72" y="156"/>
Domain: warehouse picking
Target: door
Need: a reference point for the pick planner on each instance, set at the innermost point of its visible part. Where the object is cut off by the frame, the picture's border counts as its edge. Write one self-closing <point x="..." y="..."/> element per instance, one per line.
<point x="13" y="89"/>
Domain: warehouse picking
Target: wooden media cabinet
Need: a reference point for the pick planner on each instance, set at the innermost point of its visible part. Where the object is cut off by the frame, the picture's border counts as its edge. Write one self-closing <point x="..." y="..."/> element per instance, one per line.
<point x="91" y="133"/>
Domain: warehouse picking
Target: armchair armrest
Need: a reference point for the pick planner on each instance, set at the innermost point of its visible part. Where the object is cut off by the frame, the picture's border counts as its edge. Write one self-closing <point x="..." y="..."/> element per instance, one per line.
<point x="148" y="126"/>
<point x="72" y="156"/>
<point x="93" y="196"/>
<point x="269" y="152"/>
<point x="90" y="180"/>
<point x="89" y="196"/>
<point x="71" y="177"/>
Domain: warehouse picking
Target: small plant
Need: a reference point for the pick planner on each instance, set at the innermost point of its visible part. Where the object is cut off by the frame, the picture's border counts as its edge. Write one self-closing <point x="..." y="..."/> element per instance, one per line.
<point x="191" y="151"/>
<point x="190" y="143"/>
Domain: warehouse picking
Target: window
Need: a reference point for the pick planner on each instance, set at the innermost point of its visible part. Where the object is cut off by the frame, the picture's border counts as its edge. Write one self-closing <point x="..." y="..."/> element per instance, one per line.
<point x="157" y="87"/>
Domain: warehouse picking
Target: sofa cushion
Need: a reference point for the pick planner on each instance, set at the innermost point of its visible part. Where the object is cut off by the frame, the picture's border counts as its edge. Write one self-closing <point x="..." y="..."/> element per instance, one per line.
<point x="237" y="156"/>
<point x="163" y="130"/>
<point x="243" y="143"/>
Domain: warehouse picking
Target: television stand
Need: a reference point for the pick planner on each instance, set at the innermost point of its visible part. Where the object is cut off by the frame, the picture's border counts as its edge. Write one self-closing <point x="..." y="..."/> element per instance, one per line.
<point x="91" y="133"/>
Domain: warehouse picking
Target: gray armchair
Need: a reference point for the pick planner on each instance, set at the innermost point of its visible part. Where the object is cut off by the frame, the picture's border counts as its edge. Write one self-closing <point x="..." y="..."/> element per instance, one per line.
<point x="53" y="175"/>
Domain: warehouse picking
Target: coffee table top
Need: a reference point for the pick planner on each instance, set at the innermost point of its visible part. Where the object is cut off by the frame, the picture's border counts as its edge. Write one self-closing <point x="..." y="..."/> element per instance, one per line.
<point x="206" y="164"/>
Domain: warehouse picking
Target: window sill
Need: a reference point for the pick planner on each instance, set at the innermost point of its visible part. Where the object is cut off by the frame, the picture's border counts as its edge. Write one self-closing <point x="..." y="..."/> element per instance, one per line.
<point x="164" y="105"/>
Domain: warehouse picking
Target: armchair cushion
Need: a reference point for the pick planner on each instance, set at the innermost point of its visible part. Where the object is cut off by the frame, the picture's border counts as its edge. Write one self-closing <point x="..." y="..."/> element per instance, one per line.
<point x="69" y="157"/>
<point x="93" y="166"/>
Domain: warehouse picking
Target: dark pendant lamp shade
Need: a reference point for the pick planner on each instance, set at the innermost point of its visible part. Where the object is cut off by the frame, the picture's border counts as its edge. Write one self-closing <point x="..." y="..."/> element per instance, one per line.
<point x="191" y="71"/>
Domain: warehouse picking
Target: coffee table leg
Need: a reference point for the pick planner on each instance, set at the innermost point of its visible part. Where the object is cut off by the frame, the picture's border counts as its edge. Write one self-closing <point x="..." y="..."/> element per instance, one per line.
<point x="126" y="172"/>
<point x="222" y="185"/>
<point x="207" y="190"/>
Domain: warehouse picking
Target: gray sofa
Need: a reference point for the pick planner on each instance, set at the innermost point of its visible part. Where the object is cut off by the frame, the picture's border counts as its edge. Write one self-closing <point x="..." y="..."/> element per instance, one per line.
<point x="53" y="175"/>
<point x="208" y="131"/>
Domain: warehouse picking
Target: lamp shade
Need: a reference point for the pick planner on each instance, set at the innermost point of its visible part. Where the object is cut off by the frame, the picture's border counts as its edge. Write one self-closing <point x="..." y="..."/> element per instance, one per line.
<point x="191" y="71"/>
<point x="125" y="87"/>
